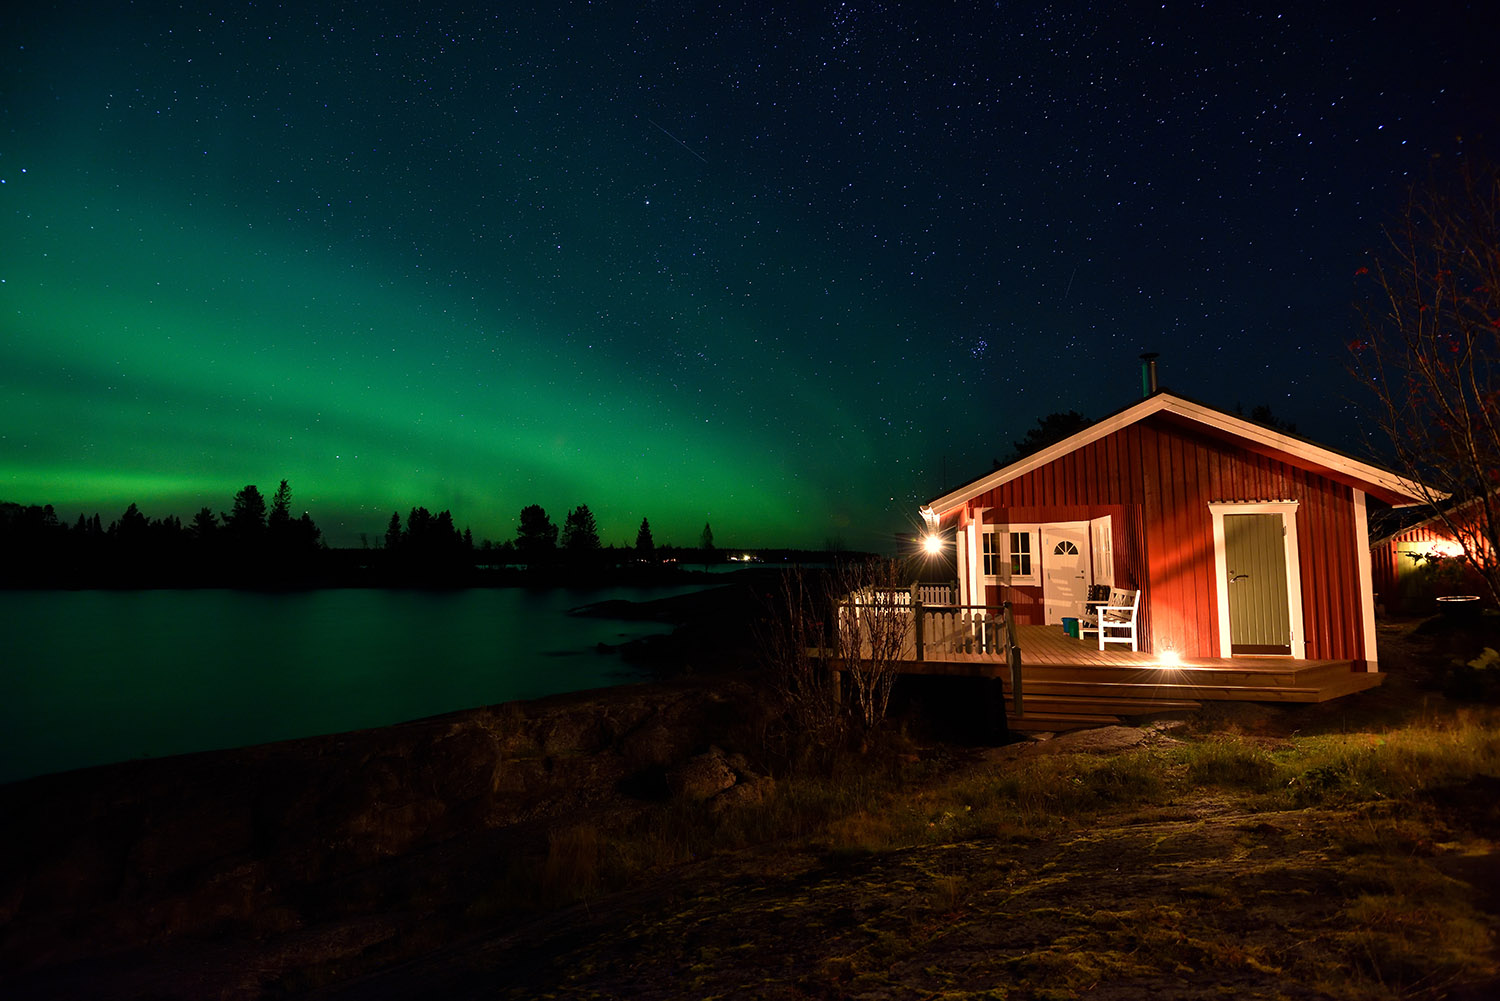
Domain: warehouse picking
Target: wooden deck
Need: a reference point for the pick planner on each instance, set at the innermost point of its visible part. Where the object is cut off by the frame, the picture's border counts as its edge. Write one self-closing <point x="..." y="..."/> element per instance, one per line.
<point x="1047" y="653"/>
<point x="1070" y="684"/>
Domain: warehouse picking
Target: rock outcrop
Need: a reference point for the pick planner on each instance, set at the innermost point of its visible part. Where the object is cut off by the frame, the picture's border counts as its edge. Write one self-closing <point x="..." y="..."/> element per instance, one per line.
<point x="295" y="839"/>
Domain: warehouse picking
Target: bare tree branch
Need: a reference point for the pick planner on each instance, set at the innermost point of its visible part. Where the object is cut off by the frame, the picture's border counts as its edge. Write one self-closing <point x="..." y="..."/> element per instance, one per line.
<point x="874" y="623"/>
<point x="791" y="637"/>
<point x="1432" y="323"/>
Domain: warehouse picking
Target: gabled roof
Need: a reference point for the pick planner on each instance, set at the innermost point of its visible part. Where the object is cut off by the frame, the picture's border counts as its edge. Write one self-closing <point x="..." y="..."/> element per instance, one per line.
<point x="1386" y="525"/>
<point x="1380" y="483"/>
<point x="1389" y="524"/>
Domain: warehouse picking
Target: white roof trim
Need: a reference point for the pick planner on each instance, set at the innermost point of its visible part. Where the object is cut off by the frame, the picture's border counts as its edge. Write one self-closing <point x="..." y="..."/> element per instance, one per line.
<point x="1192" y="411"/>
<point x="1435" y="519"/>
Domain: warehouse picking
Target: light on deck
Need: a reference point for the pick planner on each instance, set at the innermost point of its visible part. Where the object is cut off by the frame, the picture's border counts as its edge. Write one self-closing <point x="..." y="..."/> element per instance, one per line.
<point x="1169" y="658"/>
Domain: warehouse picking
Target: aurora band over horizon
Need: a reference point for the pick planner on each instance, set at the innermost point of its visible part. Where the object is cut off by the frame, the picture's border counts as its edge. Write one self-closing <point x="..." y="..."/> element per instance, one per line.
<point x="169" y="357"/>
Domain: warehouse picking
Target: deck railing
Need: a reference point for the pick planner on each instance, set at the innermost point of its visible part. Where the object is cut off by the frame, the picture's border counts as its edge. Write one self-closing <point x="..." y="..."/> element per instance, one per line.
<point x="941" y="627"/>
<point x="905" y="597"/>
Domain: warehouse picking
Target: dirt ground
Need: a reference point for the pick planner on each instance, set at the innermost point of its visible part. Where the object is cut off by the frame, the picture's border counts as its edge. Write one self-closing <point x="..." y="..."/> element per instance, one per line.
<point x="349" y="868"/>
<point x="1199" y="899"/>
<point x="1126" y="910"/>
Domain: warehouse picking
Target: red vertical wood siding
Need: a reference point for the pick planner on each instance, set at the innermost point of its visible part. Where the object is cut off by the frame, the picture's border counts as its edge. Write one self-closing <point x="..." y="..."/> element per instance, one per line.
<point x="1383" y="574"/>
<point x="1156" y="479"/>
<point x="1388" y="566"/>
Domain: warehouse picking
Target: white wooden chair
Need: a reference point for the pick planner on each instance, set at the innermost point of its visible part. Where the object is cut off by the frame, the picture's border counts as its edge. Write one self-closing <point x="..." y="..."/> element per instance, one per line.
<point x="1088" y="622"/>
<point x="1117" y="619"/>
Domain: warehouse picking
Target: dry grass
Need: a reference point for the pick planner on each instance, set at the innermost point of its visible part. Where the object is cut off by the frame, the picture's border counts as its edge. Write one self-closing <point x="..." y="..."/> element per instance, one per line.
<point x="866" y="804"/>
<point x="1310" y="860"/>
<point x="1393" y="764"/>
<point x="571" y="870"/>
<point x="1237" y="858"/>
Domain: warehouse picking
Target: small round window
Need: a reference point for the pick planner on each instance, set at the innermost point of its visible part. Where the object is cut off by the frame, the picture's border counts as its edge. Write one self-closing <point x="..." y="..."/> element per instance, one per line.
<point x="1065" y="548"/>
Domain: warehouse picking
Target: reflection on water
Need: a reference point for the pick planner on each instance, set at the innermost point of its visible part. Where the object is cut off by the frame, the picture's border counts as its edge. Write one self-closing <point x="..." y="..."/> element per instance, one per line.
<point x="89" y="677"/>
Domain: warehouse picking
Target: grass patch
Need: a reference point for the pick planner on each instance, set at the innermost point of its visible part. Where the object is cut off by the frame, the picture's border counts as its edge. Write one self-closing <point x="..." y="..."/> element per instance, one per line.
<point x="1032" y="798"/>
<point x="864" y="805"/>
<point x="571" y="871"/>
<point x="1348" y="831"/>
<point x="1395" y="764"/>
<point x="1231" y="764"/>
<point x="1406" y="943"/>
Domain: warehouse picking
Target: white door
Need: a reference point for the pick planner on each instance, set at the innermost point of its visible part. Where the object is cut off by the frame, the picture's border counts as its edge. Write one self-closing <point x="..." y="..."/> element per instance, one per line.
<point x="1101" y="532"/>
<point x="1260" y="618"/>
<point x="1258" y="566"/>
<point x="1065" y="569"/>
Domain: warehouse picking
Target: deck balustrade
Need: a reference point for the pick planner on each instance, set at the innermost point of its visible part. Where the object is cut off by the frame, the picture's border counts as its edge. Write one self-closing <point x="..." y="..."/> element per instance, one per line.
<point x="938" y="627"/>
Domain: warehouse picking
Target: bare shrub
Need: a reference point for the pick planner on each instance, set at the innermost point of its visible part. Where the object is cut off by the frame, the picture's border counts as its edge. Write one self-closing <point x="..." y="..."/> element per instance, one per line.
<point x="792" y="636"/>
<point x="874" y="624"/>
<point x="833" y="643"/>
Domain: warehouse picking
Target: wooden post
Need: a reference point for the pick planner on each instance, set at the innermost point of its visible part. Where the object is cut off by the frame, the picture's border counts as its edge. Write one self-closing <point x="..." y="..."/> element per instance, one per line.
<point x="995" y="729"/>
<point x="916" y="611"/>
<point x="1013" y="655"/>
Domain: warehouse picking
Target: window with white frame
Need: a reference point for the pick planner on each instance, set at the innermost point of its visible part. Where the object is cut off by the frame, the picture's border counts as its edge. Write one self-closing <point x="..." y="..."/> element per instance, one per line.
<point x="1020" y="554"/>
<point x="991" y="554"/>
<point x="1008" y="554"/>
<point x="1024" y="567"/>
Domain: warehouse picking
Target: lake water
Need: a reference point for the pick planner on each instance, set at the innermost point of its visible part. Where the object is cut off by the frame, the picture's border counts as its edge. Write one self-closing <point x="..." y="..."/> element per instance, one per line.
<point x="91" y="677"/>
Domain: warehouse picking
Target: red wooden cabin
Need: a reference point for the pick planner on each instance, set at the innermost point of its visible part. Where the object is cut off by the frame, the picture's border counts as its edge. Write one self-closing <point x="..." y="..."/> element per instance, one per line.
<point x="1242" y="540"/>
<point x="1402" y="550"/>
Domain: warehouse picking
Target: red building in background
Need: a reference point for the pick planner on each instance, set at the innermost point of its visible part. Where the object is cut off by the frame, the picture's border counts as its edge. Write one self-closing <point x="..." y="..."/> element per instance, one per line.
<point x="1416" y="562"/>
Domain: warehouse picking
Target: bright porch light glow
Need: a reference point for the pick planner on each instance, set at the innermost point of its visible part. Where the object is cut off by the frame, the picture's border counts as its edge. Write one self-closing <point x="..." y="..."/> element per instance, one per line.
<point x="1170" y="658"/>
<point x="933" y="544"/>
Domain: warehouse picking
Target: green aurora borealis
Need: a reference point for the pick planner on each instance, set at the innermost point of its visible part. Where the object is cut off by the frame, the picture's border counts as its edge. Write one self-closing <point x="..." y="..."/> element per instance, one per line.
<point x="181" y="320"/>
<point x="172" y="355"/>
<point x="789" y="271"/>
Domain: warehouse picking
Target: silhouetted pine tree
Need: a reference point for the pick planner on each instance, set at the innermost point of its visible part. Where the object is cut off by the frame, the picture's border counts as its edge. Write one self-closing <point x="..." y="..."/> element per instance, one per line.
<point x="246" y="522"/>
<point x="536" y="538"/>
<point x="580" y="533"/>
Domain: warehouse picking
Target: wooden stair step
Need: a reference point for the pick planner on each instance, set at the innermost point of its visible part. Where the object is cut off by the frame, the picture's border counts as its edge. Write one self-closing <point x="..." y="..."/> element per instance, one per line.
<point x="1247" y="665"/>
<point x="1284" y="678"/>
<point x="1286" y="683"/>
<point x="1215" y="692"/>
<point x="1348" y="685"/>
<point x="1104" y="706"/>
<point x="1328" y="674"/>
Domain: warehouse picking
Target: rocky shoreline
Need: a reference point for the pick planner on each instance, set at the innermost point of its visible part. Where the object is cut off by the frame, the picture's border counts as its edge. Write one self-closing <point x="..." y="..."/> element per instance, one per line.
<point x="356" y="848"/>
<point x="349" y="849"/>
<point x="713" y="629"/>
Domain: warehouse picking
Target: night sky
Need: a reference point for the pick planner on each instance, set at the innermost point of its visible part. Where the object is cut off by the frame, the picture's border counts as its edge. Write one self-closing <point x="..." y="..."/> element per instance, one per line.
<point x="789" y="272"/>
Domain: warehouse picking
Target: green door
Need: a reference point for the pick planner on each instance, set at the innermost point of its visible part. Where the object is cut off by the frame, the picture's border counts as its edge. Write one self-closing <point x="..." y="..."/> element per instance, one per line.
<point x="1260" y="618"/>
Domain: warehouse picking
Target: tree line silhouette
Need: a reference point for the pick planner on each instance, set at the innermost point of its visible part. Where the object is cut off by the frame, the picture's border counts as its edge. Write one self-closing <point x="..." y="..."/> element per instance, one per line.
<point x="261" y="544"/>
<point x="254" y="543"/>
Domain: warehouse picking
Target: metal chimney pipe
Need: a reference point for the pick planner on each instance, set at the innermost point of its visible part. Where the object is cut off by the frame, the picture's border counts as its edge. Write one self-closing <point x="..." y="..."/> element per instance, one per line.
<point x="1148" y="373"/>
